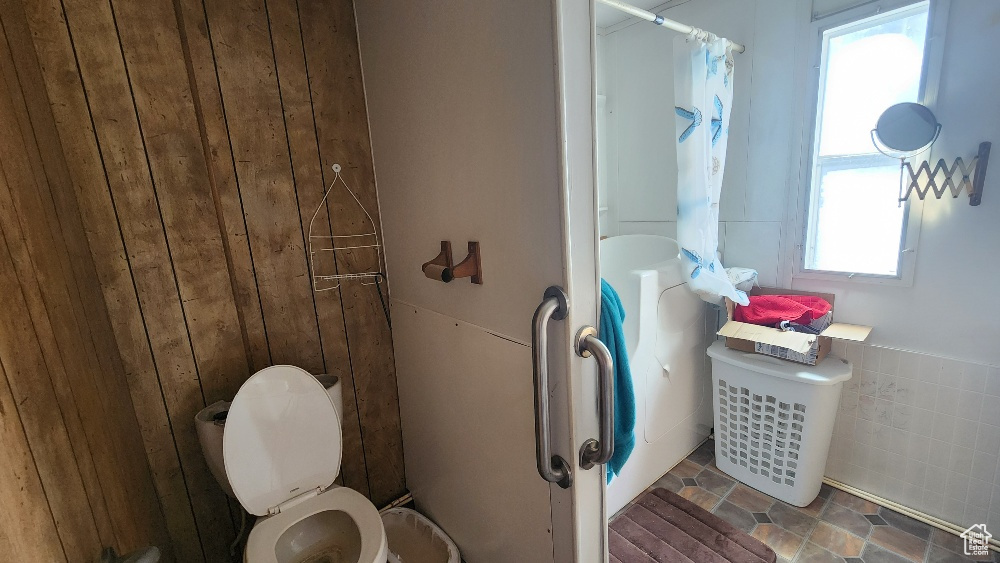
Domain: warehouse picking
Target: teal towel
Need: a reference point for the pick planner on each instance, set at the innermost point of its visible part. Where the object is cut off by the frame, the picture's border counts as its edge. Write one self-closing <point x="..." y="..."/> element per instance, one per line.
<point x="613" y="336"/>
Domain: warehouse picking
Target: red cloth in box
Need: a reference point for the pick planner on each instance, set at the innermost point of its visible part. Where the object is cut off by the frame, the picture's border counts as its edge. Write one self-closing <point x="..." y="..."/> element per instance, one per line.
<point x="769" y="310"/>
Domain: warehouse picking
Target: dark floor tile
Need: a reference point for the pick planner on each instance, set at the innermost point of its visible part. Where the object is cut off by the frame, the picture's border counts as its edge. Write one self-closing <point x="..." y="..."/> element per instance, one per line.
<point x="783" y="542"/>
<point x="762" y="517"/>
<point x="853" y="560"/>
<point x="685" y="469"/>
<point x="837" y="540"/>
<point x="955" y="544"/>
<point x="812" y="553"/>
<point x="791" y="519"/>
<point x="714" y="483"/>
<point x="714" y="467"/>
<point x="856" y="504"/>
<point x="825" y="491"/>
<point x="689" y="482"/>
<point x="704" y="454"/>
<point x="898" y="541"/>
<point x="670" y="483"/>
<point x="905" y="523"/>
<point x="943" y="541"/>
<point x="948" y="541"/>
<point x="876" y="520"/>
<point x="847" y="519"/>
<point x="745" y="497"/>
<point x="735" y="516"/>
<point x="700" y="496"/>
<point x="938" y="554"/>
<point x="815" y="507"/>
<point x="876" y="554"/>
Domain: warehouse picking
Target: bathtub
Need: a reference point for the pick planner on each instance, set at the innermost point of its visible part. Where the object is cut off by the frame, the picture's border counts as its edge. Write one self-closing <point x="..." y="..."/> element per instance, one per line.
<point x="666" y="340"/>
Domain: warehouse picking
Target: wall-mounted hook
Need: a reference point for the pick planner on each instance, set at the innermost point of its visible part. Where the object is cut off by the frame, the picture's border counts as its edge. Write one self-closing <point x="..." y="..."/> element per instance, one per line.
<point x="440" y="268"/>
<point x="471" y="266"/>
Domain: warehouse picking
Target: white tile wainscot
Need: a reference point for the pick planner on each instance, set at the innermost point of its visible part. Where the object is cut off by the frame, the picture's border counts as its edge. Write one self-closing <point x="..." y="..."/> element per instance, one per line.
<point x="922" y="431"/>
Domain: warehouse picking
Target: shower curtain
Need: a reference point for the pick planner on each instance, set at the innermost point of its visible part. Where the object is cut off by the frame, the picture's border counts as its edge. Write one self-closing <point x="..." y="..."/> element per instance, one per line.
<point x="703" y="92"/>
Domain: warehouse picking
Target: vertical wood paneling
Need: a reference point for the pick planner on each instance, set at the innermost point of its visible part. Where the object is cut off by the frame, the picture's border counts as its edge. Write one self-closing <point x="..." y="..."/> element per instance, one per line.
<point x="229" y="207"/>
<point x="302" y="143"/>
<point x="65" y="426"/>
<point x="138" y="209"/>
<point x="33" y="284"/>
<point x="188" y="143"/>
<point x="39" y="414"/>
<point x="249" y="86"/>
<point x="17" y="221"/>
<point x="331" y="47"/>
<point x="43" y="416"/>
<point x="86" y="372"/>
<point x="197" y="47"/>
<point x="86" y="170"/>
<point x="159" y="80"/>
<point x="27" y="532"/>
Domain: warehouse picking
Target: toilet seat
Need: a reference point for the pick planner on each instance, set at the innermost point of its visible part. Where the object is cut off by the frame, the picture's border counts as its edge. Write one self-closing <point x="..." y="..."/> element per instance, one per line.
<point x="265" y="534"/>
<point x="282" y="450"/>
<point x="282" y="439"/>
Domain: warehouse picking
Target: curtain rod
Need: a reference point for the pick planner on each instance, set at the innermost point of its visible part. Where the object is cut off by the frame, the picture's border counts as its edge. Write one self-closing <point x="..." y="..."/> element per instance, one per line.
<point x="667" y="23"/>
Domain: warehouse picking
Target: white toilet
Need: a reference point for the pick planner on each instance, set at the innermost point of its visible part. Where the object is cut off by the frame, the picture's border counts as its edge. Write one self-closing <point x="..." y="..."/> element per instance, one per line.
<point x="282" y="452"/>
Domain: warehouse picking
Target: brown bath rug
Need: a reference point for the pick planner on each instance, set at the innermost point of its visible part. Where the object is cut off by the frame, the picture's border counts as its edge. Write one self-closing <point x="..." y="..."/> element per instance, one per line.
<point x="663" y="526"/>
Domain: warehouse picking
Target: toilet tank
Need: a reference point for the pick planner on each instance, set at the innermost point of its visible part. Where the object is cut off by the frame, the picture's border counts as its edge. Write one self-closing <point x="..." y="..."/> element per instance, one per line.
<point x="210" y="423"/>
<point x="335" y="390"/>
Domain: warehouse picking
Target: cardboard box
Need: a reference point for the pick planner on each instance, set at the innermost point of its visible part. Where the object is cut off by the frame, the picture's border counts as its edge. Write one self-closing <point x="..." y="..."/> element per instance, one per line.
<point x="800" y="347"/>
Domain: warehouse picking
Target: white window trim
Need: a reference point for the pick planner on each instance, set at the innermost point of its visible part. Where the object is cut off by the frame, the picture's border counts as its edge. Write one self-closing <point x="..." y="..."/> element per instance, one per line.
<point x="810" y="40"/>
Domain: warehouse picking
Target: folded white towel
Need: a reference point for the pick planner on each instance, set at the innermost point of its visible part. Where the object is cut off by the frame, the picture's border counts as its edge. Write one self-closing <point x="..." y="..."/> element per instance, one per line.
<point x="743" y="278"/>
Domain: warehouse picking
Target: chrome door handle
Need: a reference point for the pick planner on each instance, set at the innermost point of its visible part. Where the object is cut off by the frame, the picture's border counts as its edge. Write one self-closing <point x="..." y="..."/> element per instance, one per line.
<point x="552" y="468"/>
<point x="595" y="452"/>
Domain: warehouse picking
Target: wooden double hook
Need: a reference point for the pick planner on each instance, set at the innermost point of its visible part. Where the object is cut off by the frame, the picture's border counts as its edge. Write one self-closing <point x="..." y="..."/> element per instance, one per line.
<point x="442" y="269"/>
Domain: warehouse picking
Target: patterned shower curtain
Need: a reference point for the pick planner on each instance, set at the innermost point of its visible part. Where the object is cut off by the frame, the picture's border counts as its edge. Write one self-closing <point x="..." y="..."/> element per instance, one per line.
<point x="703" y="93"/>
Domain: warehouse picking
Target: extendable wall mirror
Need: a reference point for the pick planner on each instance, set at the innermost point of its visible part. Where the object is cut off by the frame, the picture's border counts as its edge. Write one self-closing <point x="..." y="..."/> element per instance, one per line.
<point x="905" y="130"/>
<point x="908" y="129"/>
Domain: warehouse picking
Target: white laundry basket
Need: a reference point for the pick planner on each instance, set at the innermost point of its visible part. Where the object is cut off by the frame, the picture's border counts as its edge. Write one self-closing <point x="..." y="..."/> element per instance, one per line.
<point x="774" y="420"/>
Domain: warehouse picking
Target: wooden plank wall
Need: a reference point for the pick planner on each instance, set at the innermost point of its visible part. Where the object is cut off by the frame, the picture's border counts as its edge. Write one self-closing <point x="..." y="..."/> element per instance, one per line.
<point x="196" y="139"/>
<point x="73" y="477"/>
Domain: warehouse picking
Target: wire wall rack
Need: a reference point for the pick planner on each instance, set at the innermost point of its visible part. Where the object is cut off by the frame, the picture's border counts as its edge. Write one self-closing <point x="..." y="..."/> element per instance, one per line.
<point x="323" y="248"/>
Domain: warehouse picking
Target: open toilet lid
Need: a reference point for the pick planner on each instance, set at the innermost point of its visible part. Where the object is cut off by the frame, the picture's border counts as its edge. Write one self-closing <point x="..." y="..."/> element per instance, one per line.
<point x="282" y="438"/>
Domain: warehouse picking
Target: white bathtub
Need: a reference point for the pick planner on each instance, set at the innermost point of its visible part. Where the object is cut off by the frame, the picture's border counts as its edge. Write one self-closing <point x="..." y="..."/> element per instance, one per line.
<point x="666" y="339"/>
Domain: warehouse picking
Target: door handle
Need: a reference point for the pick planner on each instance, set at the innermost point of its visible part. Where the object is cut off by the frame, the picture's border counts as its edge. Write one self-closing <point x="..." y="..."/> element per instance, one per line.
<point x="552" y="468"/>
<point x="595" y="452"/>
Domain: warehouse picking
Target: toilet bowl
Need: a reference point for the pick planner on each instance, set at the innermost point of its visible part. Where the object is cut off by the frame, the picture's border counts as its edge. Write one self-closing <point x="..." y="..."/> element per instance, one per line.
<point x="282" y="453"/>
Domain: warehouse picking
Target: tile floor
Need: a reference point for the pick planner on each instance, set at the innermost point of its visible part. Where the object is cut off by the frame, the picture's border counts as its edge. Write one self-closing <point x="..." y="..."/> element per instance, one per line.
<point x="837" y="527"/>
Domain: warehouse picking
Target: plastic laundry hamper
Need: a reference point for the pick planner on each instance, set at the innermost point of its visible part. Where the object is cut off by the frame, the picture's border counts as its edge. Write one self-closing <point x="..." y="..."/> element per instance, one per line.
<point x="774" y="420"/>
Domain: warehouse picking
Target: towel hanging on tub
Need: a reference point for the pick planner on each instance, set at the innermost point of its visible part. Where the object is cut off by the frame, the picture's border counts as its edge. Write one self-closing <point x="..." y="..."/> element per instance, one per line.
<point x="613" y="336"/>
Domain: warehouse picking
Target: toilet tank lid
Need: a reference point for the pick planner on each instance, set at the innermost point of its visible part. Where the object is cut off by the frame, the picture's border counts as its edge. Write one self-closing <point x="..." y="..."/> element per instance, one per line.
<point x="829" y="371"/>
<point x="282" y="438"/>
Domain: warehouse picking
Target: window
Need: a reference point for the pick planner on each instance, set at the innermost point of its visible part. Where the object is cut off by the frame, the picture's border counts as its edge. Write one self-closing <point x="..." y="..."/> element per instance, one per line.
<point x="854" y="223"/>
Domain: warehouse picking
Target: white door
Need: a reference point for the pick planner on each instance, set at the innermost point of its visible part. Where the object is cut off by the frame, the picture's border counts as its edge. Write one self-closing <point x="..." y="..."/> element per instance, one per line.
<point x="481" y="116"/>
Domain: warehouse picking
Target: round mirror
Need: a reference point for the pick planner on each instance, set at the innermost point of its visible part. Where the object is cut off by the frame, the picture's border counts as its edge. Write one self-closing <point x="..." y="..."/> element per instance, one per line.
<point x="905" y="129"/>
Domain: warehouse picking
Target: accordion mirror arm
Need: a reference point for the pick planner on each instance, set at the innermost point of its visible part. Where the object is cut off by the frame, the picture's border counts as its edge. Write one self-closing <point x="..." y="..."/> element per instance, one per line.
<point x="907" y="129"/>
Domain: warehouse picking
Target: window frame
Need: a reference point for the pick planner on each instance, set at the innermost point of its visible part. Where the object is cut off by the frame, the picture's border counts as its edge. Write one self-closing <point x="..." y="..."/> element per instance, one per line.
<point x="810" y="82"/>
